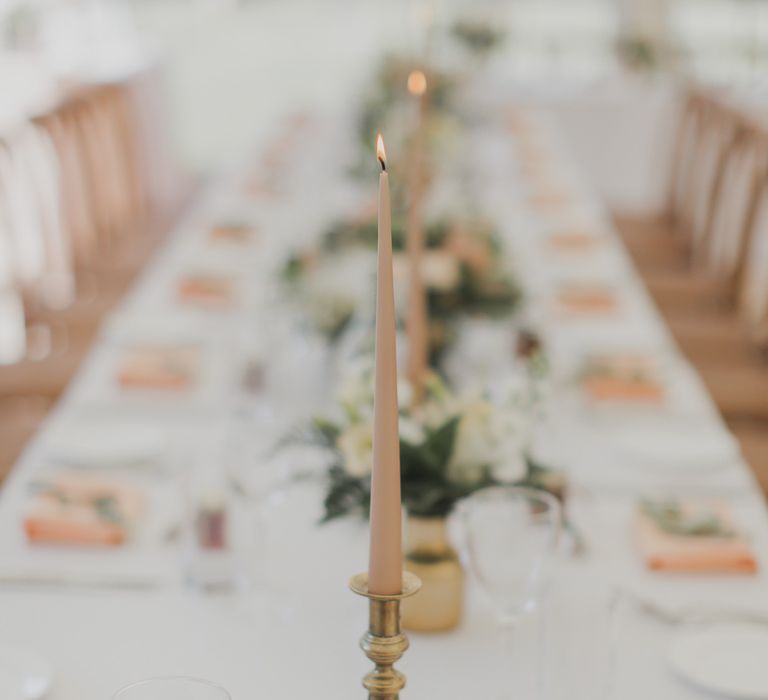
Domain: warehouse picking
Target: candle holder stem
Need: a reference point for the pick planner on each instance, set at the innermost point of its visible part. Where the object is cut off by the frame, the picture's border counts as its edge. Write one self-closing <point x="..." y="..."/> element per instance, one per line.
<point x="384" y="642"/>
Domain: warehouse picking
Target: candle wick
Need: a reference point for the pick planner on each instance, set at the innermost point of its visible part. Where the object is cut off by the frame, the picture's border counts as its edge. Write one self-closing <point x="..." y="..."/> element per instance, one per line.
<point x="383" y="164"/>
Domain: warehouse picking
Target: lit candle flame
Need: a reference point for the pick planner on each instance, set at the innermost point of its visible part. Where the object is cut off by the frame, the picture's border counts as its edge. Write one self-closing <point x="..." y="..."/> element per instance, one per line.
<point x="381" y="153"/>
<point x="417" y="83"/>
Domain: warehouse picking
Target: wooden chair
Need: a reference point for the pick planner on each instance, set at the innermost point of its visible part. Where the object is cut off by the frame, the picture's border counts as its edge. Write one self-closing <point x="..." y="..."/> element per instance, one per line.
<point x="82" y="181"/>
<point x="709" y="282"/>
<point x="657" y="242"/>
<point x="726" y="332"/>
<point x="741" y="388"/>
<point x="705" y="135"/>
<point x="720" y="237"/>
<point x="92" y="140"/>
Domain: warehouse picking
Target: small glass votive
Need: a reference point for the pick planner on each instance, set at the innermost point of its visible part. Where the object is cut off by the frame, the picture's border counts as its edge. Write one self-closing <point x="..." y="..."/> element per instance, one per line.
<point x="172" y="688"/>
<point x="218" y="533"/>
<point x="217" y="540"/>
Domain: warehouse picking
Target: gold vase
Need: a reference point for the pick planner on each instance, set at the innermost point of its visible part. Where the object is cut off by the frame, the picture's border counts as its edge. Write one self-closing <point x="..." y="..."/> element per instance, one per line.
<point x="438" y="606"/>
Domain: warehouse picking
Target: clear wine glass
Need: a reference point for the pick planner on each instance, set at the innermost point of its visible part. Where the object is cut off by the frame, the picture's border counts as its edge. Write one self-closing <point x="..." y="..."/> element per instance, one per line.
<point x="511" y="536"/>
<point x="173" y="688"/>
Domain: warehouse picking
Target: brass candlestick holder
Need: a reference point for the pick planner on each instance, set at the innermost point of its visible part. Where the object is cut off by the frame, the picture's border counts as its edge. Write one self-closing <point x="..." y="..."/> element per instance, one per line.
<point x="384" y="643"/>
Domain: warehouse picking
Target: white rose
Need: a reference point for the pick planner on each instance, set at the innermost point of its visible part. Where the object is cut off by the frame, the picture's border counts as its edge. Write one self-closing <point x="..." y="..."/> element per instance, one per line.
<point x="514" y="389"/>
<point x="440" y="270"/>
<point x="476" y="446"/>
<point x="512" y="428"/>
<point x="356" y="446"/>
<point x="516" y="408"/>
<point x="404" y="393"/>
<point x="411" y="430"/>
<point x="434" y="413"/>
<point x="355" y="391"/>
<point x="510" y="465"/>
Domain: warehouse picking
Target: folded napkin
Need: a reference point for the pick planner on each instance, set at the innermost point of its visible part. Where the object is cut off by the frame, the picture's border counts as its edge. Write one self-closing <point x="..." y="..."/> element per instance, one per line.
<point x="520" y="121"/>
<point x="80" y="510"/>
<point x="572" y="241"/>
<point x="262" y="187"/>
<point x="210" y="291"/>
<point x="587" y="299"/>
<point x="539" y="170"/>
<point x="694" y="536"/>
<point x="230" y="233"/>
<point x="622" y="378"/>
<point x="159" y="367"/>
<point x="551" y="200"/>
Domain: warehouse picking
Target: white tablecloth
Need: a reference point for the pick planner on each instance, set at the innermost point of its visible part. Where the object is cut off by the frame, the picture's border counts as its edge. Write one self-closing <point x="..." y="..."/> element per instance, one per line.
<point x="299" y="638"/>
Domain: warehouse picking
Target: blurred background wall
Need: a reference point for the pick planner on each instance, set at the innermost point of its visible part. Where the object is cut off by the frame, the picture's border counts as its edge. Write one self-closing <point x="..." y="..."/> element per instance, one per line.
<point x="232" y="67"/>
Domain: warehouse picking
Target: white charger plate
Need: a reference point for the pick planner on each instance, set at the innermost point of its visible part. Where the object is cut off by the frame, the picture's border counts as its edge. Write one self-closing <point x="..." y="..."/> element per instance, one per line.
<point x="676" y="447"/>
<point x="104" y="443"/>
<point x="24" y="674"/>
<point x="730" y="660"/>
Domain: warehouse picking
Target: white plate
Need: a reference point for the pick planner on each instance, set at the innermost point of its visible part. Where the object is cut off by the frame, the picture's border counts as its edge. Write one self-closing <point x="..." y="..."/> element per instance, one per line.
<point x="105" y="443"/>
<point x="677" y="448"/>
<point x="10" y="688"/>
<point x="24" y="674"/>
<point x="730" y="660"/>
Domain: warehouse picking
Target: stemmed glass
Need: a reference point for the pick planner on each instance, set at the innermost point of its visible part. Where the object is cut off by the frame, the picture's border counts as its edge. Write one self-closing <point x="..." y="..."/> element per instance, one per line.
<point x="173" y="688"/>
<point x="511" y="536"/>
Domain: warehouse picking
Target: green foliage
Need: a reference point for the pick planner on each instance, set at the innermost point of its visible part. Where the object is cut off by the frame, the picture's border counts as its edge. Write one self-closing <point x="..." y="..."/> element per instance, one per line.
<point x="485" y="294"/>
<point x="479" y="292"/>
<point x="389" y="91"/>
<point x="334" y="330"/>
<point x="105" y="505"/>
<point x="638" y="53"/>
<point x="348" y="495"/>
<point x="324" y="432"/>
<point x="427" y="490"/>
<point x="364" y="233"/>
<point x="293" y="269"/>
<point x="669" y="516"/>
<point x="478" y="36"/>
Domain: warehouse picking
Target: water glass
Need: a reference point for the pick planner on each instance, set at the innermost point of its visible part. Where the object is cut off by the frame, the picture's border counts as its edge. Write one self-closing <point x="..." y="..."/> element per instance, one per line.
<point x="511" y="536"/>
<point x="173" y="688"/>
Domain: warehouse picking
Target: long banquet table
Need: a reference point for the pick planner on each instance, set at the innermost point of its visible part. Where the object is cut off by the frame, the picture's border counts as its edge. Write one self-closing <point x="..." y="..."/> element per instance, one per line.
<point x="296" y="634"/>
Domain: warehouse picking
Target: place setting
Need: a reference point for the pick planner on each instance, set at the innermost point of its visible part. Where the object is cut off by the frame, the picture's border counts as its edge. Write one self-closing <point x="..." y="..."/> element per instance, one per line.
<point x="729" y="635"/>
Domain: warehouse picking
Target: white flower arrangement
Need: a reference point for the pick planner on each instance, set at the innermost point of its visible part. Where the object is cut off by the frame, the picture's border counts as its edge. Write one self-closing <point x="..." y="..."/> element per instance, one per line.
<point x="450" y="445"/>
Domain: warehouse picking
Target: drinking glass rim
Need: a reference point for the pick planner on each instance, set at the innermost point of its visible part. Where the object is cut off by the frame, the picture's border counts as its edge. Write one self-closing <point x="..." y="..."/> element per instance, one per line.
<point x="531" y="493"/>
<point x="200" y="681"/>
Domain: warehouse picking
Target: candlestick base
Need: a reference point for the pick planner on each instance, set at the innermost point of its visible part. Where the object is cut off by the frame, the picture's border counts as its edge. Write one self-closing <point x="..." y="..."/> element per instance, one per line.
<point x="384" y="642"/>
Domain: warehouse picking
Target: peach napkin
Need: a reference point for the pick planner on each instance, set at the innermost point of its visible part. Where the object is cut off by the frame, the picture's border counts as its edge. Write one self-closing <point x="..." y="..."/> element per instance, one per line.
<point x="230" y="233"/>
<point x="262" y="187"/>
<point x="549" y="200"/>
<point x="206" y="290"/>
<point x="81" y="510"/>
<point x="623" y="378"/>
<point x="519" y="121"/>
<point x="587" y="299"/>
<point x="668" y="551"/>
<point x="159" y="367"/>
<point x="572" y="241"/>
